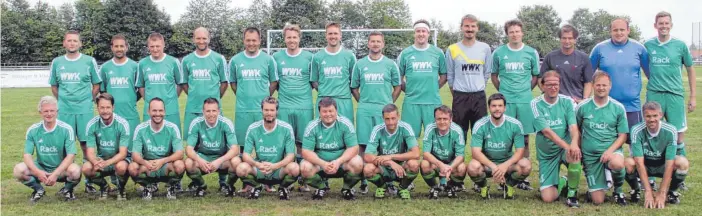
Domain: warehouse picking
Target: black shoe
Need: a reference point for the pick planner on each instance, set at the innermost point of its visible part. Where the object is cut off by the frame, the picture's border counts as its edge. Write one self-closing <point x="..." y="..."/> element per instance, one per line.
<point x="635" y="196"/>
<point x="177" y="188"/>
<point x="319" y="194"/>
<point x="682" y="186"/>
<point x="121" y="195"/>
<point x="451" y="192"/>
<point x="524" y="185"/>
<point x="620" y="199"/>
<point x="255" y="193"/>
<point x="61" y="192"/>
<point x="347" y="194"/>
<point x="90" y="189"/>
<point x="104" y="193"/>
<point x="171" y="192"/>
<point x="69" y="196"/>
<point x="434" y="193"/>
<point x="283" y="193"/>
<point x="37" y="195"/>
<point x="653" y="184"/>
<point x="588" y="197"/>
<point x="673" y="198"/>
<point x="391" y="189"/>
<point x="572" y="202"/>
<point x="226" y="190"/>
<point x="146" y="193"/>
<point x="200" y="192"/>
<point x="476" y="188"/>
<point x="153" y="188"/>
<point x="191" y="187"/>
<point x="363" y="188"/>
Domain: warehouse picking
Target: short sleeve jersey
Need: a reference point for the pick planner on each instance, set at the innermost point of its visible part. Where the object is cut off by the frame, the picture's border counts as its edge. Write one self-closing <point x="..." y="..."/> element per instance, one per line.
<point x="498" y="142"/>
<point x="253" y="76"/>
<point x="382" y="142"/>
<point x="600" y="125"/>
<point x="558" y="116"/>
<point x="270" y="146"/>
<point x="421" y="69"/>
<point x="329" y="142"/>
<point x="445" y="147"/>
<point x="515" y="69"/>
<point x="666" y="62"/>
<point x="332" y="72"/>
<point x="156" y="144"/>
<point x="213" y="140"/>
<point x="75" y="79"/>
<point x="375" y="80"/>
<point x="51" y="146"/>
<point x="654" y="148"/>
<point x="120" y="82"/>
<point x="204" y="76"/>
<point x="107" y="139"/>
<point x="294" y="89"/>
<point x="160" y="78"/>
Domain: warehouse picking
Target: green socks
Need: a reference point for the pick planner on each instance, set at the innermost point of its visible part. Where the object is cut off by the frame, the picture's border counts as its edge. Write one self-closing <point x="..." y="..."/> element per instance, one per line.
<point x="408" y="179"/>
<point x="251" y="180"/>
<point x="377" y="180"/>
<point x="315" y="181"/>
<point x="574" y="171"/>
<point x="197" y="178"/>
<point x="33" y="183"/>
<point x="618" y="180"/>
<point x="288" y="180"/>
<point x="480" y="180"/>
<point x="350" y="180"/>
<point x="678" y="177"/>
<point x="430" y="178"/>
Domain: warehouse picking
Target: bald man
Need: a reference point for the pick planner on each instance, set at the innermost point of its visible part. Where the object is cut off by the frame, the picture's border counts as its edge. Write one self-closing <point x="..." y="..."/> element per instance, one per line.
<point x="206" y="76"/>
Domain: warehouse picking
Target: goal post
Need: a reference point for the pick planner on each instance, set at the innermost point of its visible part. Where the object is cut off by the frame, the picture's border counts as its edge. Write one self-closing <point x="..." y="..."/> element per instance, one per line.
<point x="353" y="39"/>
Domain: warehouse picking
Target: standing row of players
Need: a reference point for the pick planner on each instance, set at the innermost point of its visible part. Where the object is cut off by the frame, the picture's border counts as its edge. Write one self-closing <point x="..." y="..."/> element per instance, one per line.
<point x="374" y="81"/>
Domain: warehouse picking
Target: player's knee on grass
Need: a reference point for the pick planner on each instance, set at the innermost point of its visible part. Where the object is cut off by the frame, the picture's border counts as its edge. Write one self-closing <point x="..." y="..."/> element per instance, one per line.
<point x="475" y="168"/>
<point x="73" y="171"/>
<point x="412" y="166"/>
<point x="630" y="165"/>
<point x="369" y="170"/>
<point x="308" y="169"/>
<point x="598" y="197"/>
<point x="549" y="194"/>
<point x="616" y="162"/>
<point x="21" y="172"/>
<point x="355" y="165"/>
<point x="460" y="170"/>
<point x="121" y="168"/>
<point x="87" y="169"/>
<point x="292" y="169"/>
<point x="681" y="163"/>
<point x="244" y="169"/>
<point x="524" y="166"/>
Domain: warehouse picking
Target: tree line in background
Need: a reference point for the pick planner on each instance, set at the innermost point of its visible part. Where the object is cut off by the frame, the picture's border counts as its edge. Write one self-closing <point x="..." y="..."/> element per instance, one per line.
<point x="35" y="33"/>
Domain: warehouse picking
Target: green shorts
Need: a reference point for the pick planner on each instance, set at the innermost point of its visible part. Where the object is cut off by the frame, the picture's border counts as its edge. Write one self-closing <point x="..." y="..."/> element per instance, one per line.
<point x="364" y="125"/>
<point x="488" y="171"/>
<point x="549" y="170"/>
<point x="595" y="172"/>
<point x="172" y="118"/>
<point x="681" y="151"/>
<point x="672" y="106"/>
<point x="79" y="122"/>
<point x="339" y="173"/>
<point x="523" y="113"/>
<point x="110" y="170"/>
<point x="389" y="174"/>
<point x="298" y="119"/>
<point x="653" y="171"/>
<point x="242" y="121"/>
<point x="273" y="177"/>
<point x="161" y="172"/>
<point x="61" y="178"/>
<point x="344" y="107"/>
<point x="418" y="116"/>
<point x="189" y="118"/>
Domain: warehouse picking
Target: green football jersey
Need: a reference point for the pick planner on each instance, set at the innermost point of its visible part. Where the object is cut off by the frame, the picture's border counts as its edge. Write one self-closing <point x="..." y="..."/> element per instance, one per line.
<point x="156" y="144"/>
<point x="600" y="125"/>
<point x="330" y="142"/>
<point x="382" y="142"/>
<point x="558" y="117"/>
<point x="294" y="89"/>
<point x="421" y="69"/>
<point x="159" y="78"/>
<point x="375" y="80"/>
<point x="75" y="79"/>
<point x="120" y="83"/>
<point x="498" y="142"/>
<point x="515" y="68"/>
<point x="52" y="146"/>
<point x="666" y="60"/>
<point x="657" y="147"/>
<point x="107" y="139"/>
<point x="270" y="146"/>
<point x="204" y="75"/>
<point x="213" y="140"/>
<point x="332" y="71"/>
<point x="253" y="76"/>
<point x="445" y="147"/>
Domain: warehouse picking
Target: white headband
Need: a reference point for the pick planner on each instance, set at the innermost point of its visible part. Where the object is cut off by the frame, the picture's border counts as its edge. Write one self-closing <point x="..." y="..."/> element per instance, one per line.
<point x="421" y="25"/>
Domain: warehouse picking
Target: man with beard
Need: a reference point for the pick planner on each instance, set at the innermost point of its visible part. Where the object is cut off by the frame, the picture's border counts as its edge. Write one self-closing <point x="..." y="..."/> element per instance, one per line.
<point x="211" y="148"/>
<point x="444" y="153"/>
<point x="206" y="75"/>
<point x="273" y="141"/>
<point x="329" y="150"/>
<point x="497" y="145"/>
<point x="120" y="76"/>
<point x="108" y="138"/>
<point x="74" y="81"/>
<point x="55" y="146"/>
<point x="157" y="151"/>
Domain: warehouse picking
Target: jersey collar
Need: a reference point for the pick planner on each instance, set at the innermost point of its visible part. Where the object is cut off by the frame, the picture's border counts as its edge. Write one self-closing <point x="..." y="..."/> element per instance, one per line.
<point x="337" y="52"/>
<point x="661" y="43"/>
<point x="275" y="125"/>
<point x="257" y="54"/>
<point x="203" y="56"/>
<point x="102" y="122"/>
<point x="46" y="130"/>
<point x="293" y="56"/>
<point x="501" y="122"/>
<point x="391" y="134"/>
<point x="118" y="64"/>
<point x="515" y="50"/>
<point x="658" y="130"/>
<point x="151" y="126"/>
<point x="551" y="104"/>
<point x="418" y="49"/>
<point x="375" y="61"/>
<point x="604" y="105"/>
<point x="76" y="59"/>
<point x="208" y="124"/>
<point x="159" y="60"/>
